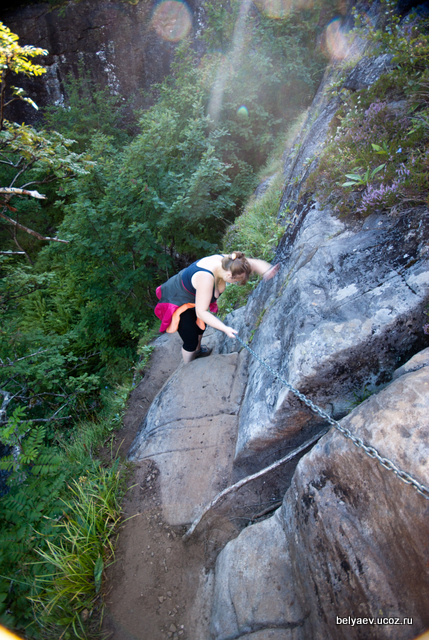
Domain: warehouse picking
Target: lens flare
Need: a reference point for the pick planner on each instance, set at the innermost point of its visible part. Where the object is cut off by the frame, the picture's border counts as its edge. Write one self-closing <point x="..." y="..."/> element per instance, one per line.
<point x="336" y="42"/>
<point x="172" y="20"/>
<point x="282" y="8"/>
<point x="222" y="76"/>
<point x="242" y="112"/>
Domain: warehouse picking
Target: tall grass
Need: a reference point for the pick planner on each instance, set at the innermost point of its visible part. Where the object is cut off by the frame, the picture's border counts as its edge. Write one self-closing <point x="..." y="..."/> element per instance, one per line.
<point x="73" y="563"/>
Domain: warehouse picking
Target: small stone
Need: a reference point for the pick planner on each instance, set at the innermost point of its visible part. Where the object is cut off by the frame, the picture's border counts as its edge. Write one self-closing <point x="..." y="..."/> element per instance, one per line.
<point x="169" y="594"/>
<point x="173" y="627"/>
<point x="161" y="599"/>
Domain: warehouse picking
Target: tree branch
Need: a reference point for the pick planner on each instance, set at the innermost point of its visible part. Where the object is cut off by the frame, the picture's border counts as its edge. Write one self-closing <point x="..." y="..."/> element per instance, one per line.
<point x="13" y="191"/>
<point x="30" y="355"/>
<point x="30" y="231"/>
<point x="244" y="481"/>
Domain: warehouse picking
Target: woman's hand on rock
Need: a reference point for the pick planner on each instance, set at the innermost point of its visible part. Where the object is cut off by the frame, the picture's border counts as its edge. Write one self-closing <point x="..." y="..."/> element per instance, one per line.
<point x="271" y="272"/>
<point x="230" y="332"/>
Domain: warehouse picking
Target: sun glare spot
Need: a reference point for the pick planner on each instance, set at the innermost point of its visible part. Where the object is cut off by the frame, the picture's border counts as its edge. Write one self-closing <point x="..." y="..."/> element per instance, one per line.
<point x="242" y="112"/>
<point x="337" y="45"/>
<point x="172" y="20"/>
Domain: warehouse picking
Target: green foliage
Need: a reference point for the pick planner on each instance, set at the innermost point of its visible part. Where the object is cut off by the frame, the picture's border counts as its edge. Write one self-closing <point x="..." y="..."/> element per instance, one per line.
<point x="266" y="70"/>
<point x="56" y="532"/>
<point x="88" y="110"/>
<point x="16" y="59"/>
<point x="355" y="179"/>
<point x="235" y="296"/>
<point x="256" y="232"/>
<point x="360" y="396"/>
<point x="29" y="455"/>
<point x="406" y="41"/>
<point x="390" y="119"/>
<point x="73" y="564"/>
<point x="32" y="158"/>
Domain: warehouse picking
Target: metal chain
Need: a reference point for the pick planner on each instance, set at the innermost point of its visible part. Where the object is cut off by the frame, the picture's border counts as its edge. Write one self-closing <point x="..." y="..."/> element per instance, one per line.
<point x="370" y="451"/>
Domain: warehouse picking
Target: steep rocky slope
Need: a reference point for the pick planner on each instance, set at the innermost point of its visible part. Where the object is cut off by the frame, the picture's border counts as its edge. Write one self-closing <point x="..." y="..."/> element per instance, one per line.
<point x="346" y="309"/>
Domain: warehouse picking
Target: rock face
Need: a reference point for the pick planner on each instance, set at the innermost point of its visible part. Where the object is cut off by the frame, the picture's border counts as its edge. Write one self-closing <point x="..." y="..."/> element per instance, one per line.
<point x="192" y="426"/>
<point x="339" y="318"/>
<point x="116" y="41"/>
<point x="346" y="308"/>
<point x="346" y="556"/>
<point x="350" y="541"/>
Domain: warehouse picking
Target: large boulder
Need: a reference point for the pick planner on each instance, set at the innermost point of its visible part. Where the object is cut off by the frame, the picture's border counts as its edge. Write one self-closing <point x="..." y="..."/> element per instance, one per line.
<point x="190" y="432"/>
<point x="348" y="552"/>
<point x="346" y="308"/>
<point x="335" y="323"/>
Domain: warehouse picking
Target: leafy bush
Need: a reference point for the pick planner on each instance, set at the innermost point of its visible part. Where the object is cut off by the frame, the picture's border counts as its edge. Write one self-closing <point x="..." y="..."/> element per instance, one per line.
<point x="377" y="158"/>
<point x="56" y="531"/>
<point x="87" y="111"/>
<point x="256" y="232"/>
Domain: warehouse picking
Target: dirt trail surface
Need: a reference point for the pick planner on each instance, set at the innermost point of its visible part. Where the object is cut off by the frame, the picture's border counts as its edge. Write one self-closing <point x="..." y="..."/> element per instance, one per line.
<point x="155" y="589"/>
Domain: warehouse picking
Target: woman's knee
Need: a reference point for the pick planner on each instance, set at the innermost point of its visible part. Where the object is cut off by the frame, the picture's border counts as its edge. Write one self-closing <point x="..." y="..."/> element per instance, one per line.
<point x="190" y="343"/>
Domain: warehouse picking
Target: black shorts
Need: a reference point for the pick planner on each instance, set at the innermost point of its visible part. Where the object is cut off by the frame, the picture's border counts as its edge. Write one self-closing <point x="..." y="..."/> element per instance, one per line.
<point x="188" y="329"/>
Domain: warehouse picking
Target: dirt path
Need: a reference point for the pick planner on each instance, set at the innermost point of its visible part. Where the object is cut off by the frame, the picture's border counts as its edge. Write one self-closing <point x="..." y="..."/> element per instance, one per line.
<point x="151" y="588"/>
<point x="160" y="587"/>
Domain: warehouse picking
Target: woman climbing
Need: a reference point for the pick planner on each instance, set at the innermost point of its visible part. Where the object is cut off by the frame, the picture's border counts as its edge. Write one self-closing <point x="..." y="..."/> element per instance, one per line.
<point x="187" y="301"/>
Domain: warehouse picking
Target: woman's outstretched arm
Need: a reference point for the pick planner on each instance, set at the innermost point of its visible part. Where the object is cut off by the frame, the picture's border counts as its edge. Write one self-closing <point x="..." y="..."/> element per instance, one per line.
<point x="263" y="268"/>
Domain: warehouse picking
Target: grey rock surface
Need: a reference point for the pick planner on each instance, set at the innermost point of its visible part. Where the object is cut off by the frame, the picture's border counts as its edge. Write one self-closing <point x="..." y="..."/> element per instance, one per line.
<point x="190" y="432"/>
<point x="335" y="322"/>
<point x="415" y="363"/>
<point x="253" y="595"/>
<point x="367" y="71"/>
<point x="351" y="539"/>
<point x="346" y="308"/>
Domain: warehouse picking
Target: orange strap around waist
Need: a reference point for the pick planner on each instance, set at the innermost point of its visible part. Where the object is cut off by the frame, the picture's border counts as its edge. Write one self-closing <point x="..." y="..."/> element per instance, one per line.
<point x="175" y="318"/>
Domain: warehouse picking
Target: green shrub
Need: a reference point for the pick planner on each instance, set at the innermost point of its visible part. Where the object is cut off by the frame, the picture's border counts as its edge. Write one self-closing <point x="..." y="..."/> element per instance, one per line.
<point x="377" y="157"/>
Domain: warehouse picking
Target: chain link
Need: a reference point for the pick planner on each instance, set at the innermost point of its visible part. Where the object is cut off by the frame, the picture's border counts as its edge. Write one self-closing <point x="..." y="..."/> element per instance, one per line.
<point x="370" y="451"/>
